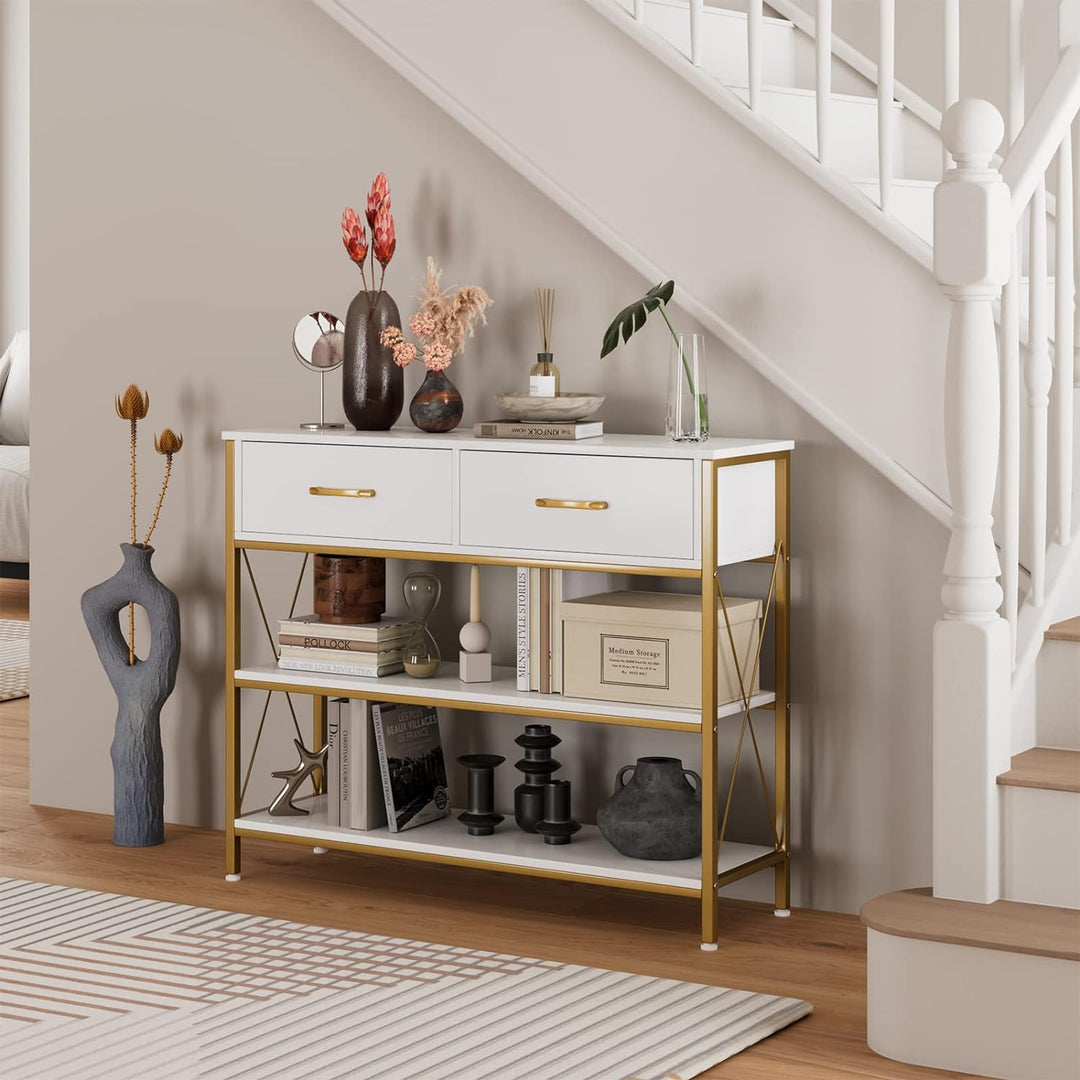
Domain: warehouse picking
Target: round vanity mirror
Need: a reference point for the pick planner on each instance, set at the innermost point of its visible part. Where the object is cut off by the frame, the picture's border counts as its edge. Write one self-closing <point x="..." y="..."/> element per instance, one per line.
<point x="319" y="345"/>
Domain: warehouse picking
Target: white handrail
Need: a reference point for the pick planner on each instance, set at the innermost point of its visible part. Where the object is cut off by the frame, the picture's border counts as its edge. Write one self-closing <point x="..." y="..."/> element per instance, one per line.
<point x="1030" y="155"/>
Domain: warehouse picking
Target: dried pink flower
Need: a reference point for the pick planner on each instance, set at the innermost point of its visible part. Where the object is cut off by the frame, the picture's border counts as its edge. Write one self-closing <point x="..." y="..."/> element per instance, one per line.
<point x="437" y="356"/>
<point x="391" y="336"/>
<point x="423" y="325"/>
<point x="404" y="353"/>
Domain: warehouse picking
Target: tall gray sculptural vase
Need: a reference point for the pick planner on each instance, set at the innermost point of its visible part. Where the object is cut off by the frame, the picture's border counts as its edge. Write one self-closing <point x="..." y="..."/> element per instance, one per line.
<point x="141" y="690"/>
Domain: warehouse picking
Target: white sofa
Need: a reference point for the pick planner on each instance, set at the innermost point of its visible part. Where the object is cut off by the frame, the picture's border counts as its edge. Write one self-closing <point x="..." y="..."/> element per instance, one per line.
<point x="15" y="457"/>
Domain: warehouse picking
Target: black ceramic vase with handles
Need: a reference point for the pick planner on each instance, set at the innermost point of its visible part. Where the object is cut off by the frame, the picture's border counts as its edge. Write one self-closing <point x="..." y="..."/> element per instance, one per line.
<point x="372" y="385"/>
<point x="656" y="814"/>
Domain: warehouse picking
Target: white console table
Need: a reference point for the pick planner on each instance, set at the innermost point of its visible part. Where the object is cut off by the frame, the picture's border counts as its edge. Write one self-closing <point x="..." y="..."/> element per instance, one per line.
<point x="625" y="503"/>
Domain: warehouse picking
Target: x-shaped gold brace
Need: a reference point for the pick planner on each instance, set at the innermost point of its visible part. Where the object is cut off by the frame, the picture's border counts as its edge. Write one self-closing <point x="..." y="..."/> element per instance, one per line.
<point x="274" y="650"/>
<point x="744" y="694"/>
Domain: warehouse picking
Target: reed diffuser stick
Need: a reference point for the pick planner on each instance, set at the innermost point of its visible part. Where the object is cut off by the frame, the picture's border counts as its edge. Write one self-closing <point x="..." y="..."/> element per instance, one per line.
<point x="545" y="310"/>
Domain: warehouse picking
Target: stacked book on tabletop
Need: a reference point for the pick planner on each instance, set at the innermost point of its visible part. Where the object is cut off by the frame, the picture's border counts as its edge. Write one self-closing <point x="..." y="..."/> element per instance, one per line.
<point x="369" y="650"/>
<point x="385" y="766"/>
<point x="549" y="430"/>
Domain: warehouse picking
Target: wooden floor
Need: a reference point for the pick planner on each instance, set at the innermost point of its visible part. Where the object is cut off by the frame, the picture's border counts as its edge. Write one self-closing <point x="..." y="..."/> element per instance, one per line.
<point x="812" y="955"/>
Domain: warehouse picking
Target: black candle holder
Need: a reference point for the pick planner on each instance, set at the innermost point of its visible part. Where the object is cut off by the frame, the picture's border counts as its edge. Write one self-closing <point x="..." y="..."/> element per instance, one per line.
<point x="481" y="818"/>
<point x="557" y="826"/>
<point x="537" y="765"/>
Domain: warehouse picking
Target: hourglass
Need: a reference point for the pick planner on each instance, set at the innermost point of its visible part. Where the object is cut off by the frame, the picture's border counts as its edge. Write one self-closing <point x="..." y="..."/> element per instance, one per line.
<point x="421" y="654"/>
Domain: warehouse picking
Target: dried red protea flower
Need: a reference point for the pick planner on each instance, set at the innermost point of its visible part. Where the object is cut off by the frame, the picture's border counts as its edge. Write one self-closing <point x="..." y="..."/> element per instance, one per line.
<point x="382" y="234"/>
<point x="379" y="194"/>
<point x="132" y="404"/>
<point x="354" y="236"/>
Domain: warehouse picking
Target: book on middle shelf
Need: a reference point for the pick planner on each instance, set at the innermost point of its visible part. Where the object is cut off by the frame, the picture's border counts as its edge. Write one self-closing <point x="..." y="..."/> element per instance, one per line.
<point x="366" y="650"/>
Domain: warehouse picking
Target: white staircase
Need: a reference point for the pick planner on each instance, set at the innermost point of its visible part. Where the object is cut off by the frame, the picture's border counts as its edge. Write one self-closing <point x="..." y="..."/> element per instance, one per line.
<point x="790" y="185"/>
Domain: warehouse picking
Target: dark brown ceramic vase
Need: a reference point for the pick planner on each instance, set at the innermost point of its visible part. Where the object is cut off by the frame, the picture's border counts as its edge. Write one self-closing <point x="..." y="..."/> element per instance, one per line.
<point x="372" y="385"/>
<point x="349" y="588"/>
<point x="437" y="405"/>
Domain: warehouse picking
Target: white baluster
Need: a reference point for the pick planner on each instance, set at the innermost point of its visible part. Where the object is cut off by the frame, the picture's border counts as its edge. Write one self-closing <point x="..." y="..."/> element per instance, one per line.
<point x="1009" y="484"/>
<point x="952" y="64"/>
<point x="695" y="32"/>
<point x="1064" y="314"/>
<point x="753" y="51"/>
<point x="1076" y="248"/>
<point x="972" y="254"/>
<point x="823" y="72"/>
<point x="886" y="79"/>
<point x="1038" y="373"/>
<point x="1015" y="64"/>
<point x="639" y="10"/>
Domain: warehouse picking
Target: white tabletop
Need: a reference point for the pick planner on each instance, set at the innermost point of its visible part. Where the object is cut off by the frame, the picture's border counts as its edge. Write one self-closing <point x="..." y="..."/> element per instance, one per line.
<point x="716" y="449"/>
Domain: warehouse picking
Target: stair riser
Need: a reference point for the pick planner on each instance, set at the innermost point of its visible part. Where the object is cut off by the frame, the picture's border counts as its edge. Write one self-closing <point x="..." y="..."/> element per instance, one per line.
<point x="1041" y="846"/>
<point x="981" y="1011"/>
<point x="723" y="43"/>
<point x="1058" y="695"/>
<point x="854" y="125"/>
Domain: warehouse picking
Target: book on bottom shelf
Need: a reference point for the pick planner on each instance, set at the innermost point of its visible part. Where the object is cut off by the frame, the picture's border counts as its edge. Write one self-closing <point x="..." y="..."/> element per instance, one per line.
<point x="411" y="763"/>
<point x="332" y="772"/>
<point x="359" y="798"/>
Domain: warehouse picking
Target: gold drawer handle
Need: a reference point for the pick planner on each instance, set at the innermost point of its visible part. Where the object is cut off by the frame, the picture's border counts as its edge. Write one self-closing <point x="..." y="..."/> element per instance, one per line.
<point x="572" y="504"/>
<point x="345" y="493"/>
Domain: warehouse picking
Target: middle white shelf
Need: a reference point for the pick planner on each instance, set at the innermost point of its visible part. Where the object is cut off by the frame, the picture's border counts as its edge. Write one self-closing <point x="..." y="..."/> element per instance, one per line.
<point x="500" y="695"/>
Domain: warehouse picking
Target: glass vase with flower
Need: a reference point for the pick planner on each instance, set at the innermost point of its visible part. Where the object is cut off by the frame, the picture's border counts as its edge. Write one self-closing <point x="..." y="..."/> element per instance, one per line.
<point x="687" y="418"/>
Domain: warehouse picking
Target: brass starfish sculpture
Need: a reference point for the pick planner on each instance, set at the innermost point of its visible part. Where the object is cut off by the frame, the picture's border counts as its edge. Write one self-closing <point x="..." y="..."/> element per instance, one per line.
<point x="310" y="760"/>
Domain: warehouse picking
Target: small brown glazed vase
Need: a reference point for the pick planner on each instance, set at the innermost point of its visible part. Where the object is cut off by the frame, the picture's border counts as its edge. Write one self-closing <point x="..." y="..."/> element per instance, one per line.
<point x="349" y="588"/>
<point x="437" y="405"/>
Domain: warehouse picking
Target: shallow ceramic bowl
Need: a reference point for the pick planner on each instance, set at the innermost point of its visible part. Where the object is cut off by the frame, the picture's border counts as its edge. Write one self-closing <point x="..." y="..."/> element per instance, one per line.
<point x="564" y="407"/>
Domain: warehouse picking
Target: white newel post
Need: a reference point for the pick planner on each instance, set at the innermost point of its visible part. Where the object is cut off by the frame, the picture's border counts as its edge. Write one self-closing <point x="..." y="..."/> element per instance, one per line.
<point x="972" y="656"/>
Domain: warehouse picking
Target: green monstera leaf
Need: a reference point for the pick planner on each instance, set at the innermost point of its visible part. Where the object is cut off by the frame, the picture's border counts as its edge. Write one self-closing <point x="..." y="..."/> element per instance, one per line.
<point x="632" y="317"/>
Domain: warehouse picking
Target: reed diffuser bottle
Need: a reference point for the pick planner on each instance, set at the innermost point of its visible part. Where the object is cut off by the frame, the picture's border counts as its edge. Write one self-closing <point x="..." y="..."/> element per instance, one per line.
<point x="544" y="376"/>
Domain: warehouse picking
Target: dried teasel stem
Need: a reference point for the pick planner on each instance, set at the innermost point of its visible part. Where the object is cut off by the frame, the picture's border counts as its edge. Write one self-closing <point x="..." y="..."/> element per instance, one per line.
<point x="134" y="537"/>
<point x="161" y="499"/>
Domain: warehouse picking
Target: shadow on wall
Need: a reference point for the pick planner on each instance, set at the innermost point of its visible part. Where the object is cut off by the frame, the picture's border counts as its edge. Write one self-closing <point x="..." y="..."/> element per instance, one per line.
<point x="200" y="586"/>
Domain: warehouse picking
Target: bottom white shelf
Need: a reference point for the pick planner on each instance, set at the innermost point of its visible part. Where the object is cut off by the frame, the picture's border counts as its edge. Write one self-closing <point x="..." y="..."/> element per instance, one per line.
<point x="588" y="855"/>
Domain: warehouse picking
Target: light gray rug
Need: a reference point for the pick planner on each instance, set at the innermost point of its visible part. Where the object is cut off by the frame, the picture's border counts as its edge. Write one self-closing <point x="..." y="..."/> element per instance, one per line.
<point x="14" y="659"/>
<point x="99" y="986"/>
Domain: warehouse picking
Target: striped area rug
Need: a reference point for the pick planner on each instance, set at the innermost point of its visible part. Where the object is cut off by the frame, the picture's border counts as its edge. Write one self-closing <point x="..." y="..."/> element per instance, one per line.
<point x="14" y="659"/>
<point x="96" y="986"/>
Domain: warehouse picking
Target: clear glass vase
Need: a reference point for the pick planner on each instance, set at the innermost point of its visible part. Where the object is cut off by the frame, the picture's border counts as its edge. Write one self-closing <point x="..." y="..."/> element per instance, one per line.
<point x="688" y="394"/>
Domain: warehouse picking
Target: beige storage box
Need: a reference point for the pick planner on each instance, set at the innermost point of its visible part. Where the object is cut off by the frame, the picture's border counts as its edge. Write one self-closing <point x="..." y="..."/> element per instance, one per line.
<point x="645" y="647"/>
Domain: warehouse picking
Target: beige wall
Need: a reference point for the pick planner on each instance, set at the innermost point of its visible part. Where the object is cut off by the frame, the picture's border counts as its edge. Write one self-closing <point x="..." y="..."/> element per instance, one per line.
<point x="14" y="168"/>
<point x="190" y="165"/>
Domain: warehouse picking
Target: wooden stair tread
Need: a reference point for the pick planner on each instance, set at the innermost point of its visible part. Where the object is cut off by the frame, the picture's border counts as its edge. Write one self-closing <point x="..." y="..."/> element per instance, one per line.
<point x="1043" y="767"/>
<point x="1069" y="630"/>
<point x="1006" y="925"/>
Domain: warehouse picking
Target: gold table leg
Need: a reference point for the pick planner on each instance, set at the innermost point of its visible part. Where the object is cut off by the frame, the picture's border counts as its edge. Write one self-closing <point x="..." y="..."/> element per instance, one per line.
<point x="710" y="908"/>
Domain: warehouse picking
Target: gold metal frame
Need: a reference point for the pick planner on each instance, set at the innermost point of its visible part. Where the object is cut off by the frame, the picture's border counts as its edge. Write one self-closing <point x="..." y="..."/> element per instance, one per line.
<point x="713" y="606"/>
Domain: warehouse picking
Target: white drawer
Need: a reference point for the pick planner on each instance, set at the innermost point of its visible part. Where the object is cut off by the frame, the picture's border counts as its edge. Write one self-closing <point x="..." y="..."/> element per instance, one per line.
<point x="411" y="501"/>
<point x="647" y="504"/>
